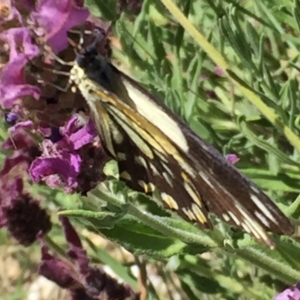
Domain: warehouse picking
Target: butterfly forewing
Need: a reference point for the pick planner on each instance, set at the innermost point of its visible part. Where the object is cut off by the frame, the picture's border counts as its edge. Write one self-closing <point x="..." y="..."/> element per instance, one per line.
<point x="148" y="159"/>
<point x="155" y="149"/>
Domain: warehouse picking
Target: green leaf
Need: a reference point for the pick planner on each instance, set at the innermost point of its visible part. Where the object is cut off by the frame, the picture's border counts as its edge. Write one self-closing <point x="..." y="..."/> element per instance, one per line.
<point x="289" y="251"/>
<point x="197" y="283"/>
<point x="102" y="9"/>
<point x="129" y="233"/>
<point x="96" y="219"/>
<point x="287" y="182"/>
<point x="141" y="240"/>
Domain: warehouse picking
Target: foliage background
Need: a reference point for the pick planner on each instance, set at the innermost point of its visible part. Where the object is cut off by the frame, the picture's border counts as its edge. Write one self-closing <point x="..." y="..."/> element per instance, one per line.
<point x="258" y="42"/>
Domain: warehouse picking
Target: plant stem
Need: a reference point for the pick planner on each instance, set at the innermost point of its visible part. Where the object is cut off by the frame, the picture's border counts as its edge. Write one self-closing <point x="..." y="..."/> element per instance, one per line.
<point x="249" y="253"/>
<point x="157" y="222"/>
<point x="269" y="264"/>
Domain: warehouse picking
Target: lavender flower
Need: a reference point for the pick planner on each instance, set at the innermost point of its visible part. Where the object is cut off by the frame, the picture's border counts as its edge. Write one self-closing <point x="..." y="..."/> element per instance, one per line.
<point x="83" y="281"/>
<point x="69" y="150"/>
<point x="72" y="157"/>
<point x="48" y="12"/>
<point x="20" y="213"/>
<point x="291" y="293"/>
<point x="48" y="143"/>
<point x="232" y="158"/>
<point x="73" y="162"/>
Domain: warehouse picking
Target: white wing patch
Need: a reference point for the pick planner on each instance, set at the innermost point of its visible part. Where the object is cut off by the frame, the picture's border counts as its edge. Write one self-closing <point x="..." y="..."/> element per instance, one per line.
<point x="251" y="226"/>
<point x="262" y="219"/>
<point x="263" y="208"/>
<point x="154" y="114"/>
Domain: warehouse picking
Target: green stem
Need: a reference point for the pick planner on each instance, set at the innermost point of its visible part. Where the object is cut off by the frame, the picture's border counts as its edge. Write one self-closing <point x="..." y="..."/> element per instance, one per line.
<point x="264" y="261"/>
<point x="293" y="208"/>
<point x="55" y="247"/>
<point x="158" y="224"/>
<point x="258" y="258"/>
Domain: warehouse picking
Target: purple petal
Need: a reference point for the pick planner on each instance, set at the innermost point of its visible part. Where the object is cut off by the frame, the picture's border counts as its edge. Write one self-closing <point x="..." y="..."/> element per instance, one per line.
<point x="14" y="161"/>
<point x="71" y="126"/>
<point x="219" y="71"/>
<point x="12" y="73"/>
<point x="292" y="293"/>
<point x="9" y="94"/>
<point x="19" y="139"/>
<point x="16" y="37"/>
<point x="22" y="125"/>
<point x="76" y="252"/>
<point x="67" y="167"/>
<point x="11" y="118"/>
<point x="232" y="158"/>
<point x="57" y="17"/>
<point x="57" y="270"/>
<point x="84" y="135"/>
<point x="75" y="138"/>
<point x="13" y="84"/>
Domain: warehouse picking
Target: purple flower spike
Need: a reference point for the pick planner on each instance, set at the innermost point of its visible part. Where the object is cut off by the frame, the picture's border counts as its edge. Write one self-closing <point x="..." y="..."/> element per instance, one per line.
<point x="74" y="161"/>
<point x="20" y="213"/>
<point x="57" y="270"/>
<point x="84" y="282"/>
<point x="57" y="17"/>
<point x="292" y="293"/>
<point x="72" y="156"/>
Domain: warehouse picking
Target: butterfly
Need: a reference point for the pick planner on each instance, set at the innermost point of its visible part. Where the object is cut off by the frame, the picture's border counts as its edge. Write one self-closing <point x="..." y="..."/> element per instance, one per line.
<point x="155" y="149"/>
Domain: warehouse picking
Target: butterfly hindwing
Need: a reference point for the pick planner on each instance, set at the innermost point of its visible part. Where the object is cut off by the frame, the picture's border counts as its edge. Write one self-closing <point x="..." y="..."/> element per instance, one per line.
<point x="226" y="192"/>
<point x="214" y="184"/>
<point x="244" y="204"/>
